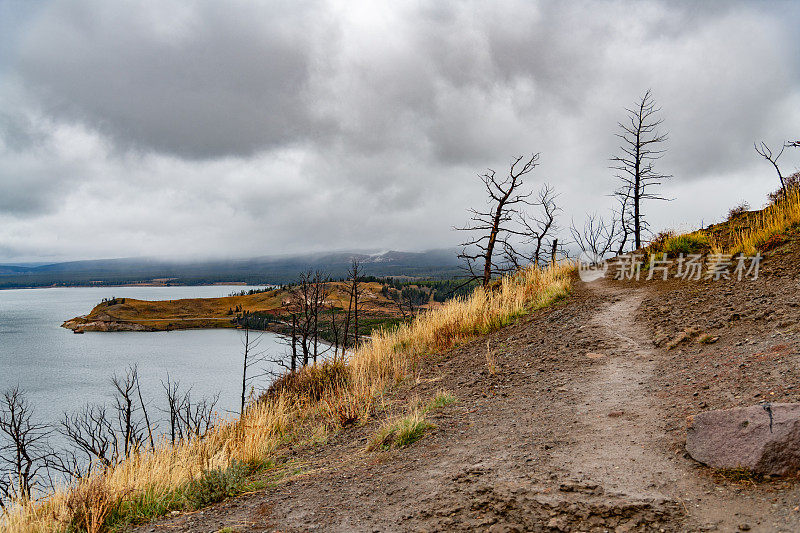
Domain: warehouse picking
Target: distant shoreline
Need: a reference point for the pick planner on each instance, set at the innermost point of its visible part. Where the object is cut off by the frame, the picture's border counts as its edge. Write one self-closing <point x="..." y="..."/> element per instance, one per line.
<point x="148" y="284"/>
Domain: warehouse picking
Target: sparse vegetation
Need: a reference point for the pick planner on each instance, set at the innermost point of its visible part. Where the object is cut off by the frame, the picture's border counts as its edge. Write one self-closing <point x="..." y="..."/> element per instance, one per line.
<point x="442" y="399"/>
<point x="400" y="432"/>
<point x="491" y="362"/>
<point x="672" y="245"/>
<point x="686" y="335"/>
<point x="738" y="210"/>
<point x="707" y="339"/>
<point x="774" y="220"/>
<point x="149" y="483"/>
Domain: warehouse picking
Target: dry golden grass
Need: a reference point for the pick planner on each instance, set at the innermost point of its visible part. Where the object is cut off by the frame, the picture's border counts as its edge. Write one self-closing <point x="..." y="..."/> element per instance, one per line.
<point x="771" y="221"/>
<point x="491" y="361"/>
<point x="746" y="235"/>
<point x="279" y="417"/>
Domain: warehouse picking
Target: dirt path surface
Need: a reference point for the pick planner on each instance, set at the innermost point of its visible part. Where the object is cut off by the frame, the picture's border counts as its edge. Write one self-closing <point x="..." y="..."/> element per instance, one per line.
<point x="571" y="433"/>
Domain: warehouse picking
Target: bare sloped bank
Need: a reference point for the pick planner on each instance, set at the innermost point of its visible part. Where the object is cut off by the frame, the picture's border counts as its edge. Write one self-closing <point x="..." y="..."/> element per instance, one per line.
<point x="565" y="421"/>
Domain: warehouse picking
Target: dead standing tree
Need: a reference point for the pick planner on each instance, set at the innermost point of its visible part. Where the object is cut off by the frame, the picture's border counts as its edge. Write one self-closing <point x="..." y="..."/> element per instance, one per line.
<point x="596" y="238"/>
<point x="641" y="147"/>
<point x="496" y="224"/>
<point x="253" y="356"/>
<point x="24" y="452"/>
<point x="764" y="151"/>
<point x="354" y="292"/>
<point x="188" y="419"/>
<point x="107" y="438"/>
<point x="533" y="230"/>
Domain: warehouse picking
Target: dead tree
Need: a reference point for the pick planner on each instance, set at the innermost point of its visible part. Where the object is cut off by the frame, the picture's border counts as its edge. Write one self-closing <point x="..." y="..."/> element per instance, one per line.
<point x="493" y="225"/>
<point x="24" y="451"/>
<point x="597" y="237"/>
<point x="621" y="219"/>
<point x="526" y="242"/>
<point x="307" y="303"/>
<point x="641" y="147"/>
<point x="130" y="427"/>
<point x="354" y="292"/>
<point x="92" y="433"/>
<point x="188" y="419"/>
<point x="107" y="438"/>
<point x="764" y="151"/>
<point x="253" y="356"/>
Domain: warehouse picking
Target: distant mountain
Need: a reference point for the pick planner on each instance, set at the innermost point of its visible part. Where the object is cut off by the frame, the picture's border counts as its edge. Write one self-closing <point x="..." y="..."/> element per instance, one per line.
<point x="258" y="270"/>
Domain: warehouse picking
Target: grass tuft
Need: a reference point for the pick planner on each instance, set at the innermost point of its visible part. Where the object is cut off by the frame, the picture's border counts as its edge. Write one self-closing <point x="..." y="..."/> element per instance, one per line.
<point x="400" y="432"/>
<point x="690" y="243"/>
<point x="442" y="399"/>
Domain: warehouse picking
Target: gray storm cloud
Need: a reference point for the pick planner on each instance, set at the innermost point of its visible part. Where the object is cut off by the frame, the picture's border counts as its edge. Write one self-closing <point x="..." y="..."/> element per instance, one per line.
<point x="255" y="127"/>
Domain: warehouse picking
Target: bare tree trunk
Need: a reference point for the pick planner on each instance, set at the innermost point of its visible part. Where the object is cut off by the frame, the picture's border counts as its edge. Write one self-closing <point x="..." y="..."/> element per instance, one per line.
<point x="335" y="332"/>
<point x="294" y="343"/>
<point x="146" y="418"/>
<point x="244" y="367"/>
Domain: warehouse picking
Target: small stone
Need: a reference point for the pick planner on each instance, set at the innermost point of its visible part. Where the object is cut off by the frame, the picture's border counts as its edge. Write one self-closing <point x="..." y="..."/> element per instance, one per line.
<point x="744" y="527"/>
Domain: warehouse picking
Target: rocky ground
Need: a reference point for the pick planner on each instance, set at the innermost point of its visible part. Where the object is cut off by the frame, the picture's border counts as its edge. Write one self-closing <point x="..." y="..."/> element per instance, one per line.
<point x="581" y="427"/>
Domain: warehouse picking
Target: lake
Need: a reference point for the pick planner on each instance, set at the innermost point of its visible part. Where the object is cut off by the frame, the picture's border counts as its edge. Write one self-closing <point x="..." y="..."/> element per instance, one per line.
<point x="61" y="371"/>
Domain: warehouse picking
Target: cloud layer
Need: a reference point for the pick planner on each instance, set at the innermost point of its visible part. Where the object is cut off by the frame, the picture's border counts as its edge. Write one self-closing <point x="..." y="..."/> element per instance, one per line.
<point x="247" y="128"/>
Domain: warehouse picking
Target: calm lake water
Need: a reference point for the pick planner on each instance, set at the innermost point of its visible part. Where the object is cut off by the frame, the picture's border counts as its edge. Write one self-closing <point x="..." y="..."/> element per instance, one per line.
<point x="61" y="371"/>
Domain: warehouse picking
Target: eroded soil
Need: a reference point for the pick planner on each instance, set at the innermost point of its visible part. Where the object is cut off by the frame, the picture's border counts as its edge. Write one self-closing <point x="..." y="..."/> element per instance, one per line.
<point x="579" y="429"/>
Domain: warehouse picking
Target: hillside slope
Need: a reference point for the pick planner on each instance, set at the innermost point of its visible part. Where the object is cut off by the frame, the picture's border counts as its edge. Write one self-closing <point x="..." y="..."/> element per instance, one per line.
<point x="574" y="422"/>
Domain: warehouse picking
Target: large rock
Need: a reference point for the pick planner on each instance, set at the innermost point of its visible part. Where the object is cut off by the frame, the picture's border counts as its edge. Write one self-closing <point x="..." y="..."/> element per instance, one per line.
<point x="743" y="438"/>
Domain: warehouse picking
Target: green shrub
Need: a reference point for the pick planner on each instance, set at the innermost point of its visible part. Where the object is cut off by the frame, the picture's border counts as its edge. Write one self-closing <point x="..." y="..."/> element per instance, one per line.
<point x="216" y="484"/>
<point x="410" y="430"/>
<point x="691" y="243"/>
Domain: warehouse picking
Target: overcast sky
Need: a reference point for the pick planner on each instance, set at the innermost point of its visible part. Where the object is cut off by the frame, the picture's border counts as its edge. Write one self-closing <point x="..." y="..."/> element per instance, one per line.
<point x="249" y="128"/>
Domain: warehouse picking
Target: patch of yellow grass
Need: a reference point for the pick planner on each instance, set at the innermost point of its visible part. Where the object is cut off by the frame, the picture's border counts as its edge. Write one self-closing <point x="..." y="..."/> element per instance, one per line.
<point x="773" y="220"/>
<point x="386" y="359"/>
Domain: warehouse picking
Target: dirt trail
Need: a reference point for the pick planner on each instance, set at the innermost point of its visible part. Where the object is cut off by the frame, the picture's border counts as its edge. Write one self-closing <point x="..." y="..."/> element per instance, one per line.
<point x="568" y="435"/>
<point x="618" y="413"/>
<point x="622" y="444"/>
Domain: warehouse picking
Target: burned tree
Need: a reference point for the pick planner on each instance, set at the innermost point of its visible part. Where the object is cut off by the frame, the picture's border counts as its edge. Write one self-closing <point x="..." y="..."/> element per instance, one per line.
<point x="253" y="356"/>
<point x="188" y="419"/>
<point x="107" y="437"/>
<point x="497" y="224"/>
<point x="641" y="147"/>
<point x="24" y="451"/>
<point x="533" y="230"/>
<point x="597" y="237"/>
<point x="766" y="152"/>
<point x="307" y="302"/>
<point x="354" y="292"/>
